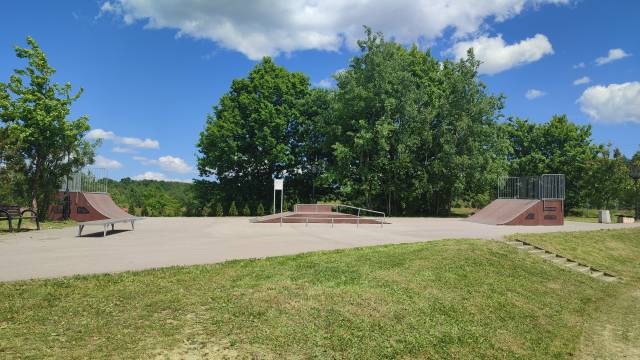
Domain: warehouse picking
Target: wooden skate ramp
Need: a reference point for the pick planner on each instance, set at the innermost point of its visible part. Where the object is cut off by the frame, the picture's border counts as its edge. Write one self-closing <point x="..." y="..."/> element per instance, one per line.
<point x="88" y="206"/>
<point x="502" y="211"/>
<point x="104" y="205"/>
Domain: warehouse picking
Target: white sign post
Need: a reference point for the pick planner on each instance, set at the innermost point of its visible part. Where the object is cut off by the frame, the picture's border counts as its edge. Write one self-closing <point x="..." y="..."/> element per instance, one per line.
<point x="278" y="184"/>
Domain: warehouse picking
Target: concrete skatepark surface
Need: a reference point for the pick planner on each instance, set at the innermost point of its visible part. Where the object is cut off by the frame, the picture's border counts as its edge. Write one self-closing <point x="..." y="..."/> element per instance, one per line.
<point x="161" y="242"/>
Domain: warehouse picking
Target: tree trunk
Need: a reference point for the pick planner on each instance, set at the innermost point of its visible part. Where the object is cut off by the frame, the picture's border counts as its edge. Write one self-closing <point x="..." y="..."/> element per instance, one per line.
<point x="34" y="198"/>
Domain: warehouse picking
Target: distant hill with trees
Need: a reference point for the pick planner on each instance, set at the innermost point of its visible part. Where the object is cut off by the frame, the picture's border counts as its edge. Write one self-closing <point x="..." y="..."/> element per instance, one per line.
<point x="154" y="198"/>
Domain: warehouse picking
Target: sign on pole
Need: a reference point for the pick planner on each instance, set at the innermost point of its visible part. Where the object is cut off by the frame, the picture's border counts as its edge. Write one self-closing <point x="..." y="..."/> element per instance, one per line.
<point x="278" y="184"/>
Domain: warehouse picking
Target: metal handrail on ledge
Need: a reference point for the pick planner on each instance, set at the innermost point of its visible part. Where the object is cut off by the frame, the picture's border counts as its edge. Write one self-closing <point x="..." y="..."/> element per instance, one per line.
<point x="306" y="218"/>
<point x="384" y="216"/>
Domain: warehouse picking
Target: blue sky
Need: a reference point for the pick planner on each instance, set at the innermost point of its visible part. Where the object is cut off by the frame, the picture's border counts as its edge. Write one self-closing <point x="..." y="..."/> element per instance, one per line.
<point x="152" y="70"/>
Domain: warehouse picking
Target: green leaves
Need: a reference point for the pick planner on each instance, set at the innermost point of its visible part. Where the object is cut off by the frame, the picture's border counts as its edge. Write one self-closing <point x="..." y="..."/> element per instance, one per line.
<point x="253" y="133"/>
<point x="416" y="133"/>
<point x="41" y="144"/>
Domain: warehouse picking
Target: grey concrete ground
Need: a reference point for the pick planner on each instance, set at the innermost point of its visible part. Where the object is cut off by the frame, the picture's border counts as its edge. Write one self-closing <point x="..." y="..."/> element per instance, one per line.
<point x="159" y="242"/>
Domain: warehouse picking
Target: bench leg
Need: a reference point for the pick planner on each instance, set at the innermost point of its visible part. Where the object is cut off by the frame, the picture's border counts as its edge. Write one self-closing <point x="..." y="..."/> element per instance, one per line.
<point x="105" y="231"/>
<point x="113" y="227"/>
<point x="19" y="223"/>
<point x="10" y="224"/>
<point x="133" y="227"/>
<point x="80" y="227"/>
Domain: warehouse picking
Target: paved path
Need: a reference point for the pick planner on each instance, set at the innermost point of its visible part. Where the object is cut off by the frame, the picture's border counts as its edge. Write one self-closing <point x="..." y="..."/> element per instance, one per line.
<point x="159" y="242"/>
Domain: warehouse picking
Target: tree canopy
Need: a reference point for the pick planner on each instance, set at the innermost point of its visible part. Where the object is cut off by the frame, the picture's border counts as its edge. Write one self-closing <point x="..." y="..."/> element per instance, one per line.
<point x="402" y="131"/>
<point x="40" y="144"/>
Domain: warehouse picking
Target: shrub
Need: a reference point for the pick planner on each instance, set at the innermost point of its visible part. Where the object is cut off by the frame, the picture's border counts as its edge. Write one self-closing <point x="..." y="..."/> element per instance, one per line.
<point x="233" y="211"/>
<point x="246" y="211"/>
<point x="219" y="210"/>
<point x="260" y="210"/>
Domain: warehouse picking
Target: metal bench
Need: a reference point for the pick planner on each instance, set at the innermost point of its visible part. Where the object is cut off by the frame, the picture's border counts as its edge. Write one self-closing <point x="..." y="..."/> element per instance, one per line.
<point x="106" y="222"/>
<point x="11" y="212"/>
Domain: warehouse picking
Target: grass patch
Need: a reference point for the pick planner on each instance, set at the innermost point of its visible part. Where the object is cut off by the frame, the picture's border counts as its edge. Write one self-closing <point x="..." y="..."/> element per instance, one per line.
<point x="443" y="299"/>
<point x="462" y="212"/>
<point x="582" y="219"/>
<point x="615" y="330"/>
<point x="31" y="226"/>
<point x="591" y="215"/>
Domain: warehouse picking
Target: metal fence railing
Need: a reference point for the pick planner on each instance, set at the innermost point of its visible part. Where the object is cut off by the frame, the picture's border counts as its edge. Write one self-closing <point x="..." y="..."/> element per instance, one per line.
<point x="544" y="187"/>
<point x="86" y="180"/>
<point x="358" y="211"/>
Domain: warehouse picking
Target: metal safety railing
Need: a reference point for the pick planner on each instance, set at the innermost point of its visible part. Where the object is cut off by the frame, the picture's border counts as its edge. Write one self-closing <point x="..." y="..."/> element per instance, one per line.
<point x="358" y="210"/>
<point x="86" y="180"/>
<point x="544" y="187"/>
<point x="333" y="220"/>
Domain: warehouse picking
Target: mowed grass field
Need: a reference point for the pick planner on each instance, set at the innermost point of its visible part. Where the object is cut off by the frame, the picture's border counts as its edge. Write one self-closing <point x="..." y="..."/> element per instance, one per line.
<point x="442" y="299"/>
<point x="615" y="330"/>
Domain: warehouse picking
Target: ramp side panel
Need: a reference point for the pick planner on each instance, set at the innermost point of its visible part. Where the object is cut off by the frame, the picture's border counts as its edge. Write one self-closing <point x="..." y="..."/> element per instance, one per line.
<point x="548" y="212"/>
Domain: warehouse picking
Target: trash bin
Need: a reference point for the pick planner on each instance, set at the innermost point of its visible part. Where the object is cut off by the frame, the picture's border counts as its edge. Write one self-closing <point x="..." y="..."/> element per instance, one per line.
<point x="604" y="217"/>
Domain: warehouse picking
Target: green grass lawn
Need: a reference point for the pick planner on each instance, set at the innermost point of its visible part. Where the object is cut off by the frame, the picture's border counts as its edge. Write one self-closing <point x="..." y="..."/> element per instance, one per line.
<point x="591" y="215"/>
<point x="28" y="225"/>
<point x="462" y="212"/>
<point x="442" y="299"/>
<point x="615" y="331"/>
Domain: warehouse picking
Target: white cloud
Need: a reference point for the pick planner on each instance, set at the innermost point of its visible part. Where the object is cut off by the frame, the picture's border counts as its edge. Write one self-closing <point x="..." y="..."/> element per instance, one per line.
<point x="613" y="55"/>
<point x="103" y="162"/>
<point x="122" y="150"/>
<point x="582" y="80"/>
<point x="579" y="65"/>
<point x="497" y="56"/>
<point x="325" y="83"/>
<point x="130" y="141"/>
<point x="265" y="27"/>
<point x="612" y="103"/>
<point x="150" y="175"/>
<point x="534" y="93"/>
<point x="139" y="143"/>
<point x="168" y="163"/>
<point x="100" y="134"/>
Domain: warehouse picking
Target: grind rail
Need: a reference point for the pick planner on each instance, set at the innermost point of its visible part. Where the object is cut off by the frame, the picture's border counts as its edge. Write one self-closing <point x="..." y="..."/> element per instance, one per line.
<point x="358" y="213"/>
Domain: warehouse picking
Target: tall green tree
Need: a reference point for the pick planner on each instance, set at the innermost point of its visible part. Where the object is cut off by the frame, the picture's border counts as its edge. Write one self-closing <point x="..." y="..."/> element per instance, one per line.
<point x="41" y="144"/>
<point x="415" y="133"/>
<point x="608" y="179"/>
<point x="250" y="137"/>
<point x="558" y="146"/>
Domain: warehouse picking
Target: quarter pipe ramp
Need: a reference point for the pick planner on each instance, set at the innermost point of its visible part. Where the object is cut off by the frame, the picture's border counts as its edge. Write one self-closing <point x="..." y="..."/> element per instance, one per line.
<point x="89" y="206"/>
<point x="520" y="212"/>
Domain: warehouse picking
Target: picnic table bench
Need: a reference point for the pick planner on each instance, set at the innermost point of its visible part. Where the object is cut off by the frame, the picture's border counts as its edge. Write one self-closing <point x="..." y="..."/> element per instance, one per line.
<point x="106" y="222"/>
<point x="11" y="212"/>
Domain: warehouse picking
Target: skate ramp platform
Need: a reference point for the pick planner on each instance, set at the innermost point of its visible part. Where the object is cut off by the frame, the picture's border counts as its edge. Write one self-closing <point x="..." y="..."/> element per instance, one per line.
<point x="320" y="214"/>
<point x="91" y="206"/>
<point x="520" y="212"/>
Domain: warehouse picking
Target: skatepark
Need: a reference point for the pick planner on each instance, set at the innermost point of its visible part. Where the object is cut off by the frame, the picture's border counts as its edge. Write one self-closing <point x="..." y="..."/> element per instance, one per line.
<point x="177" y="241"/>
<point x="161" y="242"/>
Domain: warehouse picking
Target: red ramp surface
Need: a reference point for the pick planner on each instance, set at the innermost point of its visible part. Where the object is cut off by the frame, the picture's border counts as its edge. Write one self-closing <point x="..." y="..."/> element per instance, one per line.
<point x="520" y="212"/>
<point x="103" y="204"/>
